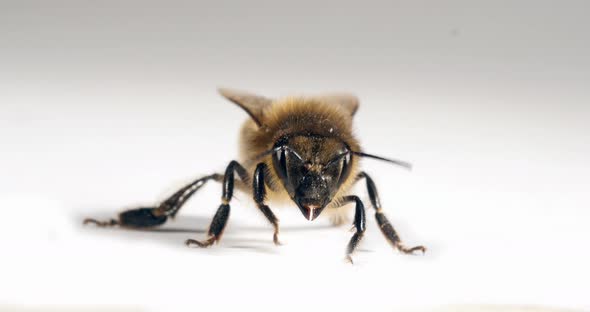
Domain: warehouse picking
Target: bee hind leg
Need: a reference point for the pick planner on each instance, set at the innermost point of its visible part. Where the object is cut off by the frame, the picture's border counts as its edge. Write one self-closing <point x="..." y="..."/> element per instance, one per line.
<point x="146" y="217"/>
<point x="391" y="235"/>
<point x="134" y="218"/>
<point x="384" y="224"/>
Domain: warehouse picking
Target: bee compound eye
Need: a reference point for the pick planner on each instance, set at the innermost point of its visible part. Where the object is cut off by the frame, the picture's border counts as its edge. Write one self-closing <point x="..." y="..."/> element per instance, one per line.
<point x="346" y="161"/>
<point x="345" y="168"/>
<point x="281" y="161"/>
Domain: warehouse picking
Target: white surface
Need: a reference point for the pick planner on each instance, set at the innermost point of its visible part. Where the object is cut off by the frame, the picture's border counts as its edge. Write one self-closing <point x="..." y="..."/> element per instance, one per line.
<point x="499" y="230"/>
<point x="109" y="106"/>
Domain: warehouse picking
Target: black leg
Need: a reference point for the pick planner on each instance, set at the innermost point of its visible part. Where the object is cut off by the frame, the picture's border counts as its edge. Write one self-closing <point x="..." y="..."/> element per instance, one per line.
<point x="384" y="224"/>
<point x="220" y="219"/>
<point x="259" y="197"/>
<point x="359" y="224"/>
<point x="154" y="216"/>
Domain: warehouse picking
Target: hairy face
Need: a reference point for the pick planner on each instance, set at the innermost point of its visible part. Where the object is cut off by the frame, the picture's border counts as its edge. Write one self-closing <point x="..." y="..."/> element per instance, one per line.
<point x="312" y="168"/>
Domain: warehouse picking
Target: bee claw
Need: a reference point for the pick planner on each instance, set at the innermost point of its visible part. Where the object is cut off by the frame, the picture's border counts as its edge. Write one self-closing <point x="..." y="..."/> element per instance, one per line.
<point x="276" y="241"/>
<point x="348" y="259"/>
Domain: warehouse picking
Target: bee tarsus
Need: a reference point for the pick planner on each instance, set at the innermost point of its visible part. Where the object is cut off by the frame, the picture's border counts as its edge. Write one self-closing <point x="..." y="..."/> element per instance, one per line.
<point x="384" y="224"/>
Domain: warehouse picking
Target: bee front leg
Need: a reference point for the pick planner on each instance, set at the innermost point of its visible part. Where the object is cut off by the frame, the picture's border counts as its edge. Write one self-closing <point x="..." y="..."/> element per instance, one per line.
<point x="220" y="219"/>
<point x="384" y="224"/>
<point x="260" y="196"/>
<point x="359" y="224"/>
<point x="145" y="217"/>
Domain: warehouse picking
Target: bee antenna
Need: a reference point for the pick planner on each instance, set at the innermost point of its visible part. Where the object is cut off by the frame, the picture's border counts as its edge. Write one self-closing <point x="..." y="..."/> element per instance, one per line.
<point x="401" y="163"/>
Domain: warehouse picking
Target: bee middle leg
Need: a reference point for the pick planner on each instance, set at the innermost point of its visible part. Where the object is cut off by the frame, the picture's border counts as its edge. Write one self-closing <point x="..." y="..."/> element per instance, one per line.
<point x="259" y="197"/>
<point x="220" y="219"/>
<point x="384" y="224"/>
<point x="259" y="190"/>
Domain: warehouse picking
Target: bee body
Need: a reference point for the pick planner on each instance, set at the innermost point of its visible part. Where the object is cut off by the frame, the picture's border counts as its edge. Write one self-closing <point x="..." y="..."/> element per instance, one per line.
<point x="297" y="150"/>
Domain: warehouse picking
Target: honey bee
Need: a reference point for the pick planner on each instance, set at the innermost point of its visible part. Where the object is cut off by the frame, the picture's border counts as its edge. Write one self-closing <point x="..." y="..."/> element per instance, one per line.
<point x="298" y="149"/>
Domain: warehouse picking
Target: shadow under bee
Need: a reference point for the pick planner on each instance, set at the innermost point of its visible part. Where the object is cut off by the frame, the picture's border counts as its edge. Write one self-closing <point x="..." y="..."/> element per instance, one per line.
<point x="175" y="232"/>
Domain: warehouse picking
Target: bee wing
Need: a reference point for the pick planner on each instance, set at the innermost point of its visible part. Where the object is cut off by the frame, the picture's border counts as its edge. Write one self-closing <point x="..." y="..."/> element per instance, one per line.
<point x="253" y="104"/>
<point x="347" y="101"/>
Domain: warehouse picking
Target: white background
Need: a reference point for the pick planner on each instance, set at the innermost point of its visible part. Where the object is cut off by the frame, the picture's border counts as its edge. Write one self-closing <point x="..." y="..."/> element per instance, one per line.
<point x="107" y="105"/>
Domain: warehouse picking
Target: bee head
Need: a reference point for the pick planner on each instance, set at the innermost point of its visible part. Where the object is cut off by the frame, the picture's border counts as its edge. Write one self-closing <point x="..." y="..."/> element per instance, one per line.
<point x="309" y="141"/>
<point x="311" y="169"/>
